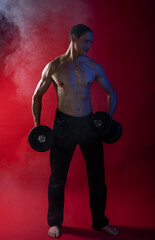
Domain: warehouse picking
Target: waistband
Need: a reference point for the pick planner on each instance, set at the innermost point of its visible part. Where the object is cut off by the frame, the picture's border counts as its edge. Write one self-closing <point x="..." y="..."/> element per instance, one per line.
<point x="69" y="117"/>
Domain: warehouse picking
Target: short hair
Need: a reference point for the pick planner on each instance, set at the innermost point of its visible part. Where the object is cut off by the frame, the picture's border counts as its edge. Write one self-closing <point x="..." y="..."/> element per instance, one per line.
<point x="79" y="30"/>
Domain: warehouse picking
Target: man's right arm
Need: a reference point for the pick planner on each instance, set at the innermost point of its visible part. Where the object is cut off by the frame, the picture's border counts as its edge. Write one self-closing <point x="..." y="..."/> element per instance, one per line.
<point x="41" y="88"/>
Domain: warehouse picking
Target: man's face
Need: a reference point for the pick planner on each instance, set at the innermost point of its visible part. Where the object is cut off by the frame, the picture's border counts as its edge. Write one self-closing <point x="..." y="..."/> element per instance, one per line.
<point x="83" y="44"/>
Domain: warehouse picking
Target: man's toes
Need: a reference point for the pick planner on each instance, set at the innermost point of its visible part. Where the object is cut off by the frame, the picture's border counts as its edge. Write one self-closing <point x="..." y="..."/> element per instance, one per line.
<point x="53" y="234"/>
<point x="111" y="230"/>
<point x="115" y="231"/>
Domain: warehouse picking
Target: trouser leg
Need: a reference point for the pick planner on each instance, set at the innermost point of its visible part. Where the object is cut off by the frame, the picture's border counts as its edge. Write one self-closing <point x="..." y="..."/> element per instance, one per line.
<point x="93" y="155"/>
<point x="60" y="160"/>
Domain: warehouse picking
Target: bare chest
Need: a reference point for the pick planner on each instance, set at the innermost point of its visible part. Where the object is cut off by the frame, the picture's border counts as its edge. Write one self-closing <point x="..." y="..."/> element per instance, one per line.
<point x="70" y="75"/>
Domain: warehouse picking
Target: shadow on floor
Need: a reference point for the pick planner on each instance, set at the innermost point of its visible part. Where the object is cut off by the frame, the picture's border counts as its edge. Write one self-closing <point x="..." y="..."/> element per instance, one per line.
<point x="126" y="233"/>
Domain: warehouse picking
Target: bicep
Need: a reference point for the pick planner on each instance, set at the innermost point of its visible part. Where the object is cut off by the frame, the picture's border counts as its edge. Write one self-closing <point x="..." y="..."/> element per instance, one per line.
<point x="42" y="86"/>
<point x="102" y="80"/>
<point x="44" y="83"/>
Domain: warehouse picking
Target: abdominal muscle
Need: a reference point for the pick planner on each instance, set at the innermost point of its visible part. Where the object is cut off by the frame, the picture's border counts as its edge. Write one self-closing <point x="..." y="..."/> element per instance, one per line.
<point x="74" y="102"/>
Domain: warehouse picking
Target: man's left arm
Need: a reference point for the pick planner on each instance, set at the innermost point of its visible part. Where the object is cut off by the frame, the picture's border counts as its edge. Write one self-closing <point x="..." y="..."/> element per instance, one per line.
<point x="107" y="87"/>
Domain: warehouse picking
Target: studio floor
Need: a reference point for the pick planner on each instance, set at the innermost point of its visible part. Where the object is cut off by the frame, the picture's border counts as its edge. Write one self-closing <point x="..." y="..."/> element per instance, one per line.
<point x="69" y="233"/>
<point x="23" y="217"/>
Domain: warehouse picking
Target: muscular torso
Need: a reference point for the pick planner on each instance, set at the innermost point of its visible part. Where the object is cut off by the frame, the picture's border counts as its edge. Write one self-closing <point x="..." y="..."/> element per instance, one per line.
<point x="72" y="82"/>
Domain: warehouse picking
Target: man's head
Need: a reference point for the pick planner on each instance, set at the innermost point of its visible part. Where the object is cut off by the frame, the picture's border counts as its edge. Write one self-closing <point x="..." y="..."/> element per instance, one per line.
<point x="79" y="30"/>
<point x="82" y="37"/>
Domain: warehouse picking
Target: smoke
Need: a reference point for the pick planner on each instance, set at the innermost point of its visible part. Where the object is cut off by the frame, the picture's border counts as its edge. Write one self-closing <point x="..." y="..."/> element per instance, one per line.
<point x="9" y="37"/>
<point x="42" y="29"/>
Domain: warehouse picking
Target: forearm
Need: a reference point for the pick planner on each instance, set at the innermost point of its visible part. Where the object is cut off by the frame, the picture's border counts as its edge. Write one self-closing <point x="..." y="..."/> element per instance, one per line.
<point x="36" y="109"/>
<point x="112" y="102"/>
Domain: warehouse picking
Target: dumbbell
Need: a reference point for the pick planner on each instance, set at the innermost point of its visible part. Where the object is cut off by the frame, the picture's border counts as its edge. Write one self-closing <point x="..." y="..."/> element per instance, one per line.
<point x="41" y="138"/>
<point x="106" y="129"/>
<point x="114" y="133"/>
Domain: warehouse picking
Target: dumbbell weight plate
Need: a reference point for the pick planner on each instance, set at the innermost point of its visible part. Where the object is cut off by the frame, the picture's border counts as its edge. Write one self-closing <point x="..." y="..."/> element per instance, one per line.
<point x="104" y="123"/>
<point x="41" y="138"/>
<point x="114" y="133"/>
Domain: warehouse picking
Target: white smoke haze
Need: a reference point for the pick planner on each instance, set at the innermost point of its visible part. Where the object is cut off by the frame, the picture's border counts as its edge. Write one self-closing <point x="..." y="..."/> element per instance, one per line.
<point x="40" y="25"/>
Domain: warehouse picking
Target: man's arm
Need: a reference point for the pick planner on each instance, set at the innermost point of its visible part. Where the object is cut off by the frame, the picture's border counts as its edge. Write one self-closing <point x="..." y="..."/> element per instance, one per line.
<point x="106" y="85"/>
<point x="41" y="88"/>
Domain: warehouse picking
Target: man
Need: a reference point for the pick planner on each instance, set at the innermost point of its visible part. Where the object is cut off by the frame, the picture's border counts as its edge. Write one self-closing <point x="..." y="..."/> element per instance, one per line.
<point x="72" y="75"/>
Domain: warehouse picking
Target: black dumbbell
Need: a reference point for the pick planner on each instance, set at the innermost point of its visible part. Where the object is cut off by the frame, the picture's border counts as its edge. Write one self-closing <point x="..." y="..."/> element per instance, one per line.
<point x="114" y="133"/>
<point x="106" y="129"/>
<point x="41" y="138"/>
<point x="102" y="123"/>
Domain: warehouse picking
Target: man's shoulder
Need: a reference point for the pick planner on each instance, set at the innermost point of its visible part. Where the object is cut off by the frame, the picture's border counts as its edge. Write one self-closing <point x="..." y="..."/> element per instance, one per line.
<point x="51" y="67"/>
<point x="87" y="59"/>
<point x="55" y="62"/>
<point x="93" y="64"/>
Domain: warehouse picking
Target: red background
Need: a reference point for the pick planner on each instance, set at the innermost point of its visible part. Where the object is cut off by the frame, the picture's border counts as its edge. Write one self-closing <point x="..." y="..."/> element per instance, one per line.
<point x="123" y="46"/>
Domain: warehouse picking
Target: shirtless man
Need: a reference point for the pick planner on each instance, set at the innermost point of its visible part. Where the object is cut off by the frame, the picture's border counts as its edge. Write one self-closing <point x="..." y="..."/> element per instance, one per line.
<point x="72" y="75"/>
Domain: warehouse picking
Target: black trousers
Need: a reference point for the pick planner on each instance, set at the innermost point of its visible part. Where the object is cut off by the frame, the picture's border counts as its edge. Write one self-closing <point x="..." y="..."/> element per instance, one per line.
<point x="69" y="132"/>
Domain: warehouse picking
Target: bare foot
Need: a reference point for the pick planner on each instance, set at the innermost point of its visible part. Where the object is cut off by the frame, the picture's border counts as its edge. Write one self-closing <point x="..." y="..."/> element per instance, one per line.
<point x="54" y="232"/>
<point x="110" y="229"/>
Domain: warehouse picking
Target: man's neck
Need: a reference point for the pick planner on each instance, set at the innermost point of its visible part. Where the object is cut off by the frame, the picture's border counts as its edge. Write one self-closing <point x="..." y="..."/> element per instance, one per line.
<point x="71" y="54"/>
